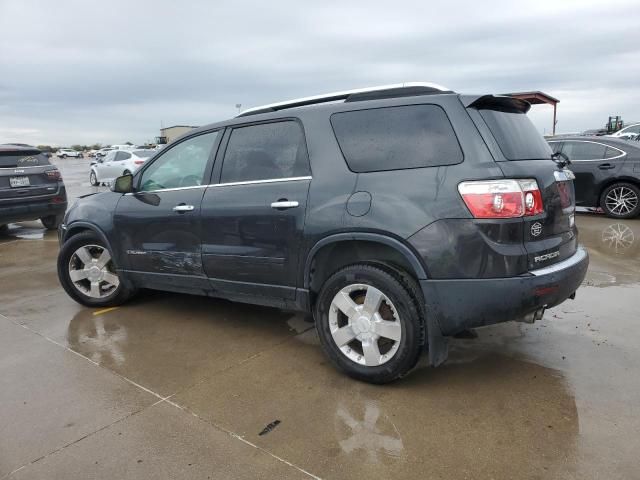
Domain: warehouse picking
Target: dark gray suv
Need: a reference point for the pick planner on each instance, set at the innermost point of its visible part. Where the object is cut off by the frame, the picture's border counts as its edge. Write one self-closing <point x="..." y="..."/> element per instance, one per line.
<point x="30" y="187"/>
<point x="397" y="216"/>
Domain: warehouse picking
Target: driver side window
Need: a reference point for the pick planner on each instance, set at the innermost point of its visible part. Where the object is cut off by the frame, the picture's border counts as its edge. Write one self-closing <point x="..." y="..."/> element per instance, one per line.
<point x="181" y="166"/>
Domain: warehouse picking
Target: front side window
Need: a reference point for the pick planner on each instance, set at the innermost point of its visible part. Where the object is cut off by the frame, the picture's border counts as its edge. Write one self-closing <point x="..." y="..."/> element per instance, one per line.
<point x="266" y="151"/>
<point x="394" y="138"/>
<point x="181" y="166"/>
<point x="584" y="150"/>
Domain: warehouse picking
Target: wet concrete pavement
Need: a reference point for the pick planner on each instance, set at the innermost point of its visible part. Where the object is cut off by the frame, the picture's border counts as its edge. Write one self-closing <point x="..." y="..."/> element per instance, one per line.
<point x="177" y="386"/>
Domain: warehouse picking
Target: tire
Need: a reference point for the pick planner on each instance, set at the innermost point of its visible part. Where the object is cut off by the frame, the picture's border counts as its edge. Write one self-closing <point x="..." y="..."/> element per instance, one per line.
<point x="630" y="196"/>
<point x="93" y="180"/>
<point x="64" y="156"/>
<point x="109" y="295"/>
<point x="52" y="222"/>
<point x="400" y="307"/>
<point x="126" y="172"/>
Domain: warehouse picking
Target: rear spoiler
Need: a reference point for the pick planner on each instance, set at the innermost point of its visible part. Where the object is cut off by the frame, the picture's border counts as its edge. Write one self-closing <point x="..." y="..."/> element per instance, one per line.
<point x="500" y="103"/>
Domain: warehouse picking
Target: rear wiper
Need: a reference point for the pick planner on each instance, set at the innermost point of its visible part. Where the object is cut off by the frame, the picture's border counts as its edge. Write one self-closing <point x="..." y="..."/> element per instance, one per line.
<point x="561" y="159"/>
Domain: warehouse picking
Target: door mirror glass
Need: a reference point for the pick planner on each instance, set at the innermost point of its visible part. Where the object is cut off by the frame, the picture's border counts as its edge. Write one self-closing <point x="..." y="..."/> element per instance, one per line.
<point x="123" y="184"/>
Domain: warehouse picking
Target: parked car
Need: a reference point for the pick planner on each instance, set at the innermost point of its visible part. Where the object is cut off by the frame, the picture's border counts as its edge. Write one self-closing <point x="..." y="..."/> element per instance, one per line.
<point x="64" y="153"/>
<point x="117" y="163"/>
<point x="103" y="152"/>
<point x="607" y="173"/>
<point x="630" y="131"/>
<point x="30" y="188"/>
<point x="398" y="217"/>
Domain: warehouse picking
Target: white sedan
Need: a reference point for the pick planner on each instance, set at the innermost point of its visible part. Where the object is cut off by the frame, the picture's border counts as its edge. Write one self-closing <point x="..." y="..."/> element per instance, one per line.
<point x="116" y="163"/>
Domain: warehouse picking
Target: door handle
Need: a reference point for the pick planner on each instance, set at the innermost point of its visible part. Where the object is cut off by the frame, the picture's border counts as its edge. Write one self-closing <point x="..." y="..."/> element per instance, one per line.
<point x="606" y="166"/>
<point x="284" y="204"/>
<point x="183" y="208"/>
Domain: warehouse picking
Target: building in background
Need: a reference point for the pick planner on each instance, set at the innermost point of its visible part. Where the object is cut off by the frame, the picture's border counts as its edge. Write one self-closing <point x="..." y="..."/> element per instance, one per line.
<point x="169" y="134"/>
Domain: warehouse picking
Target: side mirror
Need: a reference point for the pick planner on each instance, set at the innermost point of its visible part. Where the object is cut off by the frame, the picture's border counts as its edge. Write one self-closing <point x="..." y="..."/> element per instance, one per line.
<point x="123" y="184"/>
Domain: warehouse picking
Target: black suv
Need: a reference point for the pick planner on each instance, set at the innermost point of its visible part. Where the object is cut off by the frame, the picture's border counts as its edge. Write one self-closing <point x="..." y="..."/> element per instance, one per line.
<point x="396" y="216"/>
<point x="30" y="187"/>
<point x="607" y="172"/>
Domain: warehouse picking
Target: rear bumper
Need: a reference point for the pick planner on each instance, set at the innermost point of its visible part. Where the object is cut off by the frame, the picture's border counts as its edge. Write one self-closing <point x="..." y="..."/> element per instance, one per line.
<point x="31" y="210"/>
<point x="455" y="305"/>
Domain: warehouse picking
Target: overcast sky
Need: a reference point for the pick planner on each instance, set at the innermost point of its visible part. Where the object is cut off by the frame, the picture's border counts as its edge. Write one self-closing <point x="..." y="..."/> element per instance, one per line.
<point x="114" y="71"/>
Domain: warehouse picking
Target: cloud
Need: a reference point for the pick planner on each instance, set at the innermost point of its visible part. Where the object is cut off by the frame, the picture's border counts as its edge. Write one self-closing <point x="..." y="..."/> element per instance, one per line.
<point x="82" y="72"/>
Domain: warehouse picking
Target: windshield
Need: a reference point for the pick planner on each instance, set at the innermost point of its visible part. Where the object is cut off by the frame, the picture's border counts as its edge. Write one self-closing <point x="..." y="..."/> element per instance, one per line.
<point x="20" y="160"/>
<point x="517" y="137"/>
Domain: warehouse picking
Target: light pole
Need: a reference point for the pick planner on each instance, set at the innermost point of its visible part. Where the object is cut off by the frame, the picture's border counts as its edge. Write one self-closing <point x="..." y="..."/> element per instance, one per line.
<point x="238" y="106"/>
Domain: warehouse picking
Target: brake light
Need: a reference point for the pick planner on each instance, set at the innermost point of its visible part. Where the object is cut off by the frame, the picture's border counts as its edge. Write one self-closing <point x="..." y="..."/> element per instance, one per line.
<point x="53" y="174"/>
<point x="502" y="198"/>
<point x="138" y="162"/>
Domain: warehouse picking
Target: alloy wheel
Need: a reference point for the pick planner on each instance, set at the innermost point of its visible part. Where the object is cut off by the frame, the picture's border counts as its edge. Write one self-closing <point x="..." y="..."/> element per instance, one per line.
<point x="91" y="271"/>
<point x="365" y="325"/>
<point x="621" y="200"/>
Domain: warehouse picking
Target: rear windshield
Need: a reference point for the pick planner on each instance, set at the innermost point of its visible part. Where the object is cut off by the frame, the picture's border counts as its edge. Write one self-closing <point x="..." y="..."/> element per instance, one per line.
<point x="517" y="138"/>
<point x="144" y="153"/>
<point x="21" y="160"/>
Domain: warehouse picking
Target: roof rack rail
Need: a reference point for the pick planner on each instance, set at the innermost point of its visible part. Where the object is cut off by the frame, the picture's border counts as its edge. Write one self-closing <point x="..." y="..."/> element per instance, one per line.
<point x="358" y="94"/>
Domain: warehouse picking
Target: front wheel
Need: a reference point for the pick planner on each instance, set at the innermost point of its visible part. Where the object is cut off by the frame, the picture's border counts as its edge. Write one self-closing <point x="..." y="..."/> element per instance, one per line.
<point x="93" y="180"/>
<point x="621" y="200"/>
<point x="369" y="323"/>
<point x="87" y="273"/>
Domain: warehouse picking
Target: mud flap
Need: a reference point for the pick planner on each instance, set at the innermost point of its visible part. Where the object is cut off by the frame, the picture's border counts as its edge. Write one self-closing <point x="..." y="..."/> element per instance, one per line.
<point x="437" y="345"/>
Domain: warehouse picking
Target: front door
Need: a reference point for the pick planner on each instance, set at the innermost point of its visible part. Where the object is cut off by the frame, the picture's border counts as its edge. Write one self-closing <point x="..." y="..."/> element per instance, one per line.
<point x="252" y="221"/>
<point x="158" y="226"/>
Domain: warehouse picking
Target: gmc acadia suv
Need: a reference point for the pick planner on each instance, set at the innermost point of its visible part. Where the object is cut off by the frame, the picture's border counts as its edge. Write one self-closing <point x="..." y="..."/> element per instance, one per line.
<point x="397" y="216"/>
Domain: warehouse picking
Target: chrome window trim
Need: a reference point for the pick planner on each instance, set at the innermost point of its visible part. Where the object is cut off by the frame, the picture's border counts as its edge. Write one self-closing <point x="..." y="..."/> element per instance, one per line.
<point x="228" y="184"/>
<point x="22" y="168"/>
<point x="622" y="152"/>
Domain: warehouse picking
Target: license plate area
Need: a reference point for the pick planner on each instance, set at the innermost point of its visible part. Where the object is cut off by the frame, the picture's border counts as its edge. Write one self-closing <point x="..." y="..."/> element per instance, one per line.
<point x="17" y="182"/>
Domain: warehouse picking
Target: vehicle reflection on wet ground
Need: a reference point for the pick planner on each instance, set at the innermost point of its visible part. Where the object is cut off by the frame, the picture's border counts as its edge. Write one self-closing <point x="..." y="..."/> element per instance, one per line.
<point x="173" y="385"/>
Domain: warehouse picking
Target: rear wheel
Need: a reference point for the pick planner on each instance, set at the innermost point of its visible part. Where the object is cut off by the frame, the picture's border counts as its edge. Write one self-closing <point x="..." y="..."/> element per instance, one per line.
<point x="369" y="323"/>
<point x="87" y="272"/>
<point x="621" y="200"/>
<point x="52" y="222"/>
<point x="64" y="156"/>
<point x="93" y="180"/>
<point x="126" y="172"/>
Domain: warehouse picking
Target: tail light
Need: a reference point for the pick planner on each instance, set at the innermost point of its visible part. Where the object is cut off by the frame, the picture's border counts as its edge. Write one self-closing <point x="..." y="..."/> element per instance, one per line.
<point x="53" y="174"/>
<point x="138" y="162"/>
<point x="502" y="198"/>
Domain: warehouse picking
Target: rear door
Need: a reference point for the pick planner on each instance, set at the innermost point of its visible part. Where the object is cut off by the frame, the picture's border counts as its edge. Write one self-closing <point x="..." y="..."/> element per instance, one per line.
<point x="522" y="153"/>
<point x="23" y="175"/>
<point x="593" y="163"/>
<point x="252" y="220"/>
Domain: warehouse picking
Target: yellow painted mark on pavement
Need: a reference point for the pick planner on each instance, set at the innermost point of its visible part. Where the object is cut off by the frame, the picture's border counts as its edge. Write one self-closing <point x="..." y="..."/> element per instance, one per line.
<point x="105" y="310"/>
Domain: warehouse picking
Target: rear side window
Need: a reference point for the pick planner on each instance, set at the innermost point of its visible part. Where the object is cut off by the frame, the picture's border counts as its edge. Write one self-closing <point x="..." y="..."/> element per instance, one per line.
<point x="122" y="156"/>
<point x="394" y="138"/>
<point x="584" y="150"/>
<point x="517" y="138"/>
<point x="264" y="152"/>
